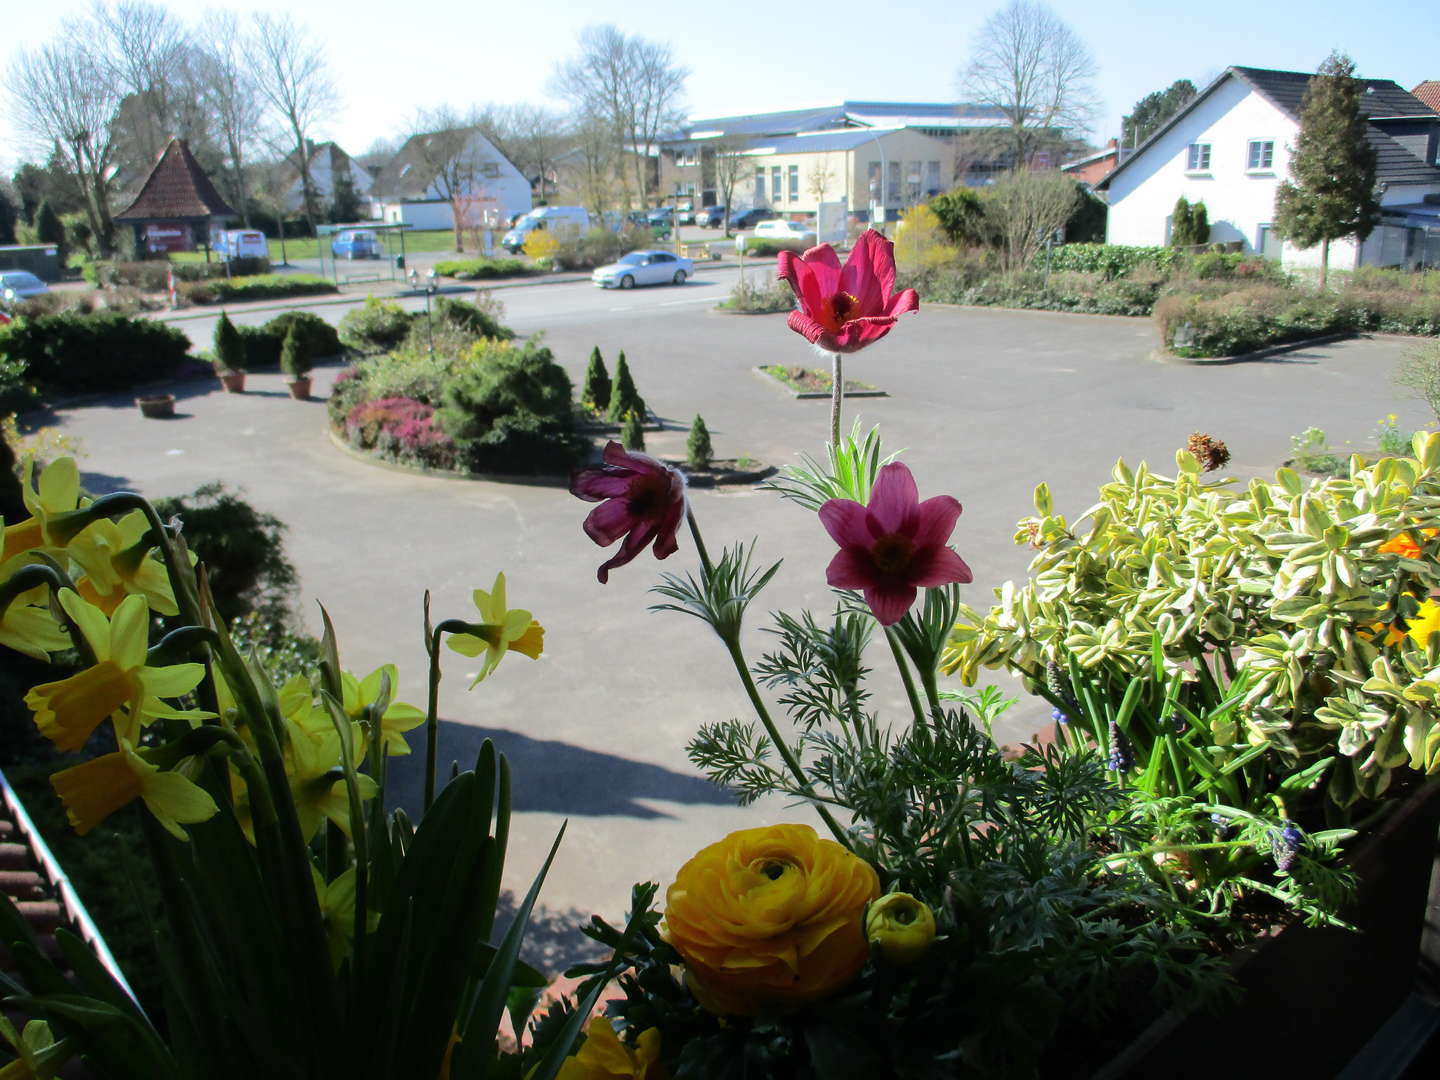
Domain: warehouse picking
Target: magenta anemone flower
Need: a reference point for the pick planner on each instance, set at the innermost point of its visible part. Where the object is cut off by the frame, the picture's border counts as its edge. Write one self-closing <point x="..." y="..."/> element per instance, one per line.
<point x="843" y="310"/>
<point x="640" y="499"/>
<point x="894" y="545"/>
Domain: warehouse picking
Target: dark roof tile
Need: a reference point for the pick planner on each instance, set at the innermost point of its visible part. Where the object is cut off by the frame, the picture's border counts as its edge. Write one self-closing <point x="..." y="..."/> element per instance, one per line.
<point x="177" y="188"/>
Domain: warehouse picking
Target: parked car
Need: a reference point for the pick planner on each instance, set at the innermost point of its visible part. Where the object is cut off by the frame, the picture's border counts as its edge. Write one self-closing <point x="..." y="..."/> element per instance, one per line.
<point x="748" y="219"/>
<point x="661" y="215"/>
<point x="784" y="230"/>
<point x="644" y="268"/>
<point x="355" y="244"/>
<point x="21" y="284"/>
<point x="712" y="217"/>
<point x="567" y="222"/>
<point x="242" y="244"/>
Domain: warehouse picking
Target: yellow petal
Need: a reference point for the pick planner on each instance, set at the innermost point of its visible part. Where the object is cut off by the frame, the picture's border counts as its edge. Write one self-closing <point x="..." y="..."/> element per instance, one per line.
<point x="129" y="636"/>
<point x="93" y="625"/>
<point x="176" y="801"/>
<point x="532" y="642"/>
<point x="94" y="790"/>
<point x="67" y="712"/>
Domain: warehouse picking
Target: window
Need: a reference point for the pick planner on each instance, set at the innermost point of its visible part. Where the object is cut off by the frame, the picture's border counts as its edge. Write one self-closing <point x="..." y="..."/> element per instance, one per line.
<point x="1266" y="242"/>
<point x="932" y="178"/>
<point x="1261" y="155"/>
<point x="490" y="169"/>
<point x="892" y="182"/>
<point x="759" y="184"/>
<point x="777" y="192"/>
<point x="686" y="158"/>
<point x="1199" y="157"/>
<point x="794" y="183"/>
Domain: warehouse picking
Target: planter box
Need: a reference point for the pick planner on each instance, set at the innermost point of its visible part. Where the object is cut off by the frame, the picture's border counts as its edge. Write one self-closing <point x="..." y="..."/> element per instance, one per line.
<point x="1312" y="998"/>
<point x="157" y="407"/>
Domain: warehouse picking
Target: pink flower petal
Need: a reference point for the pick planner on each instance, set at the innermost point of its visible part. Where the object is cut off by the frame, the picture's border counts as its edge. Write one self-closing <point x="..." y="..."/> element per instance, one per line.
<point x="857" y="333"/>
<point x="810" y="330"/>
<point x="592" y="485"/>
<point x="665" y="541"/>
<point x="890" y="602"/>
<point x="937" y="565"/>
<point x="634" y="544"/>
<point x="850" y="569"/>
<point x="864" y="276"/>
<point x="804" y="281"/>
<point x="903" y="301"/>
<point x="937" y="517"/>
<point x="895" y="499"/>
<point x="609" y="521"/>
<point x="844" y="520"/>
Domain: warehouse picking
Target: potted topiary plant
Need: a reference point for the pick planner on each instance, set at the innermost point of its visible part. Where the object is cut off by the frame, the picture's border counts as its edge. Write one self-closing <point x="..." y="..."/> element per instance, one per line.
<point x="229" y="355"/>
<point x="295" y="363"/>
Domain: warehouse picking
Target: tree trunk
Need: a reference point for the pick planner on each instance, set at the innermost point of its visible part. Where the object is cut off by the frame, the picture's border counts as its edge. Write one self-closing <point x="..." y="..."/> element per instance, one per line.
<point x="1324" y="261"/>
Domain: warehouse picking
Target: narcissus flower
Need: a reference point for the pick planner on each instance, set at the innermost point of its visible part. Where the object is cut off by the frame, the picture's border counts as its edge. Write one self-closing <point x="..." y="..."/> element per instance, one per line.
<point x="97" y="788"/>
<point x="770" y="918"/>
<point x="117" y="561"/>
<point x="900" y="926"/>
<point x="500" y="630"/>
<point x="605" y="1057"/>
<point x="57" y="491"/>
<point x="398" y="717"/>
<point x="28" y="627"/>
<point x="843" y="310"/>
<point x="893" y="545"/>
<point x="120" y="685"/>
<point x="640" y="499"/>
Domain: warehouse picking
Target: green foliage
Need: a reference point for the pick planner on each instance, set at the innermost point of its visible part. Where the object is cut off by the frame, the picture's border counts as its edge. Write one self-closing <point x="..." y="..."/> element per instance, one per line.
<point x="632" y="434"/>
<point x="471" y="320"/>
<point x="963" y="219"/>
<point x="77" y="353"/>
<point x="478" y="269"/>
<point x="1276" y="589"/>
<point x="9" y="218"/>
<point x="1153" y="110"/>
<point x="769" y="245"/>
<point x="255" y="287"/>
<point x="1088" y="221"/>
<point x="1189" y="224"/>
<point x="1112" y="260"/>
<point x="377" y="326"/>
<point x="1312" y="452"/>
<point x="698" y="450"/>
<point x="48" y="229"/>
<point x="16" y="393"/>
<point x="509" y="411"/>
<point x="228" y="347"/>
<point x="1391" y="439"/>
<point x="1333" y="195"/>
<point x="264" y="344"/>
<point x="242" y="548"/>
<point x="759" y="296"/>
<point x="596" y="391"/>
<point x="624" y="398"/>
<point x="1228" y="321"/>
<point x="294" y="357"/>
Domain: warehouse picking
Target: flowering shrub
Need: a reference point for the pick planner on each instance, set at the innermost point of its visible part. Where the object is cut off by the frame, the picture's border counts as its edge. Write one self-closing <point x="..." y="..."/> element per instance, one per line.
<point x="400" y="429"/>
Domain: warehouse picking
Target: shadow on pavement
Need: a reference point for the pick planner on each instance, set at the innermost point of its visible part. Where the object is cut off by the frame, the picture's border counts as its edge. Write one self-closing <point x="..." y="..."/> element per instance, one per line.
<point x="550" y="776"/>
<point x="95" y="483"/>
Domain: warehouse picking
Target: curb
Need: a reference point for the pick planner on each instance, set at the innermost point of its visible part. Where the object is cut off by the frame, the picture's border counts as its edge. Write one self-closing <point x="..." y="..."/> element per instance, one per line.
<point x="1165" y="356"/>
<point x="814" y="395"/>
<point x="444" y="474"/>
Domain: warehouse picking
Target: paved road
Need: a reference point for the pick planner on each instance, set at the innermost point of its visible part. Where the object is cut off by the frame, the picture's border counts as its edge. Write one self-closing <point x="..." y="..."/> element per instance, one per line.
<point x="987" y="403"/>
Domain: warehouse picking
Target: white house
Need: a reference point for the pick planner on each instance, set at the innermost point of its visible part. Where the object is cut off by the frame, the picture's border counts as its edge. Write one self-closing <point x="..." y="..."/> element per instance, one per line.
<point x="441" y="173"/>
<point x="329" y="164"/>
<point x="1232" y="146"/>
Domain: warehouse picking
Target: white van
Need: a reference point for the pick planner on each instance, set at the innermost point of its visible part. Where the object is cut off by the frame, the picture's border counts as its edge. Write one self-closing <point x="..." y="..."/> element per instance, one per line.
<point x="243" y="244"/>
<point x="569" y="222"/>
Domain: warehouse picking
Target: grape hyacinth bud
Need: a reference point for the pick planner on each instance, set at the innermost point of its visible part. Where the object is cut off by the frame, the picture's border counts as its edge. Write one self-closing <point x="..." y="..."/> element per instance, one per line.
<point x="1120" y="759"/>
<point x="1285" y="845"/>
<point x="1058" y="683"/>
<point x="1177" y="722"/>
<point x="1223" y="829"/>
<point x="1059" y="717"/>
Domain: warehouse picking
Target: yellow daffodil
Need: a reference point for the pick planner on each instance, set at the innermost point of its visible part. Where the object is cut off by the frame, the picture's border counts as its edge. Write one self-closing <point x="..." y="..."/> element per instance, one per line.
<point x="605" y="1057"/>
<point x="337" y="908"/>
<point x="28" y="627"/>
<point x="94" y="790"/>
<point x="56" y="492"/>
<point x="320" y="793"/>
<point x="120" y="685"/>
<point x="397" y="718"/>
<point x="38" y="1055"/>
<point x="500" y="631"/>
<point x="118" y="562"/>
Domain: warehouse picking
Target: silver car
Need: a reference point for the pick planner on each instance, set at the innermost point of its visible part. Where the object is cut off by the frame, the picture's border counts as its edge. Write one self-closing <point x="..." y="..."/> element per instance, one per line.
<point x="21" y="284"/>
<point x="644" y="268"/>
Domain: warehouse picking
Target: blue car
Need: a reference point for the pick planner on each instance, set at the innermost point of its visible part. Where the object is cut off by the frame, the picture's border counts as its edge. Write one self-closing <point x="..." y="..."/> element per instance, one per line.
<point x="355" y="244"/>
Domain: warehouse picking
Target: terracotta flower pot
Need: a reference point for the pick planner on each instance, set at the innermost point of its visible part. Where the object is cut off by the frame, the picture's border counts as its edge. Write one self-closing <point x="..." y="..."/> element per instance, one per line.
<point x="232" y="381"/>
<point x="157" y="406"/>
<point x="299" y="387"/>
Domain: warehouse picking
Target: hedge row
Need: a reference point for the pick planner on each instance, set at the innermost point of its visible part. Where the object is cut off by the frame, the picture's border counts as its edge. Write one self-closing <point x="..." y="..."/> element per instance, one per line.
<point x="81" y="353"/>
<point x="255" y="287"/>
<point x="478" y="269"/>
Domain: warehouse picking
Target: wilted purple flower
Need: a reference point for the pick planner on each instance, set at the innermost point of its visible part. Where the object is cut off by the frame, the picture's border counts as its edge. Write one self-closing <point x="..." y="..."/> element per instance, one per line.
<point x="641" y="499"/>
<point x="1285" y="845"/>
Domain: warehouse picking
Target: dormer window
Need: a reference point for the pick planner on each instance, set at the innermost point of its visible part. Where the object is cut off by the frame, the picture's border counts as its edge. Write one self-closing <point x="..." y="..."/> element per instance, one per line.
<point x="1199" y="159"/>
<point x="1261" y="155"/>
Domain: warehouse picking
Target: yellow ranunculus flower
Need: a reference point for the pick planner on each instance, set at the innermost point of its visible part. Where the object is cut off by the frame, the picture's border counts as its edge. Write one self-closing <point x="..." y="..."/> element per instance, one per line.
<point x="119" y="685"/>
<point x="901" y="926"/>
<point x="770" y="918"/>
<point x="605" y="1057"/>
<point x="500" y="631"/>
<point x="94" y="790"/>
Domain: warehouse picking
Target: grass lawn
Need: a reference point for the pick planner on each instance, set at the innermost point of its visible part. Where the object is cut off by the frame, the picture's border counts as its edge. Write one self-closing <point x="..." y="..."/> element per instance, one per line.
<point x="309" y="247"/>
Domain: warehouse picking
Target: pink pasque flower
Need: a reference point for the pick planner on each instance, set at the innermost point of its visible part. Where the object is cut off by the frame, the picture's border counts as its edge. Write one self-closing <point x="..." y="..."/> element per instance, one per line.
<point x="843" y="310"/>
<point x="640" y="499"/>
<point x="894" y="545"/>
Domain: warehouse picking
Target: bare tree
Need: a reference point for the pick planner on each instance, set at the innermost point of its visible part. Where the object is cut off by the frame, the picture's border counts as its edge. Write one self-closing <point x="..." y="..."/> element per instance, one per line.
<point x="65" y="100"/>
<point x="142" y="48"/>
<point x="818" y="178"/>
<point x="294" y="81"/>
<point x="1032" y="67"/>
<point x="730" y="166"/>
<point x="230" y="93"/>
<point x="631" y="84"/>
<point x="593" y="166"/>
<point x="455" y="155"/>
<point x="532" y="137"/>
<point x="1025" y="208"/>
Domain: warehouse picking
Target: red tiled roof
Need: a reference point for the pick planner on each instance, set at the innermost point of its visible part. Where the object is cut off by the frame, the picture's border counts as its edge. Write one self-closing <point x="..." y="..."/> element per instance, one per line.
<point x="176" y="188"/>
<point x="1429" y="92"/>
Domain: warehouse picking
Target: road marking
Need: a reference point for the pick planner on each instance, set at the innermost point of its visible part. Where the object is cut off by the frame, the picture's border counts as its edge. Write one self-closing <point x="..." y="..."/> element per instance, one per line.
<point x="690" y="300"/>
<point x="631" y="307"/>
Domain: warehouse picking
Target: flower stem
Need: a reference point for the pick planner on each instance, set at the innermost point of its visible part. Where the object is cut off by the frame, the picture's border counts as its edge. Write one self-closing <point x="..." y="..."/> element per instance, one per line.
<point x="837" y="391"/>
<point x="836" y="830"/>
<point x="432" y="709"/>
<point x="905" y="676"/>
<point x="705" y="564"/>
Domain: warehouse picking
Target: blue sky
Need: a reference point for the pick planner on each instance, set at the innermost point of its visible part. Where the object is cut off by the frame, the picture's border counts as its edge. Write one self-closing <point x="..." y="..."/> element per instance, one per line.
<point x="391" y="59"/>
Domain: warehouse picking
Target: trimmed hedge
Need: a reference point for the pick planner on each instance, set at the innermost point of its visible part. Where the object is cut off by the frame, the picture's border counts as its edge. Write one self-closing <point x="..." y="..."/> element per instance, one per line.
<point x="264" y="343"/>
<point x="82" y="353"/>
<point x="477" y="269"/>
<point x="257" y="287"/>
<point x="377" y="327"/>
<point x="764" y="245"/>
